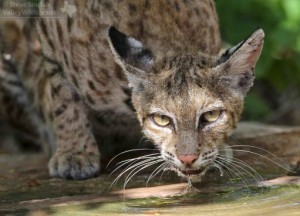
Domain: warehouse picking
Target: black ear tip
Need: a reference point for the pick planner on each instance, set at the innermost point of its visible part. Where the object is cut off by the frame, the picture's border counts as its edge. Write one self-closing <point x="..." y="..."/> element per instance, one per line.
<point x="112" y="30"/>
<point x="258" y="27"/>
<point x="118" y="40"/>
<point x="115" y="33"/>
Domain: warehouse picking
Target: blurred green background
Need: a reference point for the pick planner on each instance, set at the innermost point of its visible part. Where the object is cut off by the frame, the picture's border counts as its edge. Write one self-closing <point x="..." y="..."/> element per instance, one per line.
<point x="275" y="97"/>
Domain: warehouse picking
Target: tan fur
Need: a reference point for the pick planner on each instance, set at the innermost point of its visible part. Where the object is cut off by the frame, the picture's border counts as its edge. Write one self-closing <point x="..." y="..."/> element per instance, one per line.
<point x="169" y="62"/>
<point x="79" y="46"/>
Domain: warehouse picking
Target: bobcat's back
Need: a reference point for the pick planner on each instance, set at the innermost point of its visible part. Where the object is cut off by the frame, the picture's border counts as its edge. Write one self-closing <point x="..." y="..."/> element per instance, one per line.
<point x="79" y="43"/>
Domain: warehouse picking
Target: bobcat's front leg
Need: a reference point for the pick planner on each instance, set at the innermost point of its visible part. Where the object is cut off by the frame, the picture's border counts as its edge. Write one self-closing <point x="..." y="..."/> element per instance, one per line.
<point x="77" y="155"/>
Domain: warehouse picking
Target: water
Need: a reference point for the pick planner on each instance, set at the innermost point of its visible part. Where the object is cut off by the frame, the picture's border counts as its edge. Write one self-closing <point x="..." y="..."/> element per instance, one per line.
<point x="275" y="200"/>
<point x="33" y="193"/>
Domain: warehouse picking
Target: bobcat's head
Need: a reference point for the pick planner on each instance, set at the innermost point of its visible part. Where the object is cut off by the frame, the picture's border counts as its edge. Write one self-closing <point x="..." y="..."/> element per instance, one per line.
<point x="188" y="104"/>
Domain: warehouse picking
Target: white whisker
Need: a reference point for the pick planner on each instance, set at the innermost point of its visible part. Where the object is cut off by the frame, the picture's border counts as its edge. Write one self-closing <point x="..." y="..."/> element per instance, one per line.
<point x="255" y="147"/>
<point x="133" y="172"/>
<point x="236" y="164"/>
<point x="254" y="153"/>
<point x="227" y="174"/>
<point x="131" y="150"/>
<point x="155" y="172"/>
<point x="133" y="160"/>
<point x="137" y="158"/>
<point x="219" y="168"/>
<point x="139" y="164"/>
<point x="166" y="169"/>
<point x="235" y="171"/>
<point x="242" y="163"/>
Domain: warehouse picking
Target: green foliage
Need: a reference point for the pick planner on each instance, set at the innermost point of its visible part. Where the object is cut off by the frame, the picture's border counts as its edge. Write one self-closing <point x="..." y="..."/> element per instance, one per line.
<point x="279" y="65"/>
<point x="35" y="1"/>
<point x="255" y="107"/>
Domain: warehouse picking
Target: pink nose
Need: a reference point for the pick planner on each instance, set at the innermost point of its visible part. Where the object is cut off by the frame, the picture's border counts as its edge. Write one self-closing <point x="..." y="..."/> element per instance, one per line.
<point x="188" y="159"/>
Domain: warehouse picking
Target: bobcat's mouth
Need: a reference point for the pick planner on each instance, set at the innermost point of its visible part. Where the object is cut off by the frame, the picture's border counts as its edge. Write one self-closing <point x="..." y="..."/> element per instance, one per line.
<point x="189" y="172"/>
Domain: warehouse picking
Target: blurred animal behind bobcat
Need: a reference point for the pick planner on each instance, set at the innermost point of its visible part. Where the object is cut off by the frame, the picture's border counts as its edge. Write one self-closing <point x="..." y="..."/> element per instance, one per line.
<point x="167" y="72"/>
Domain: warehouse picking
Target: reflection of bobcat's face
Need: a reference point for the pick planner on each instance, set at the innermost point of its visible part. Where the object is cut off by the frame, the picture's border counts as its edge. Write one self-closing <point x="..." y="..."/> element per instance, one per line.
<point x="188" y="104"/>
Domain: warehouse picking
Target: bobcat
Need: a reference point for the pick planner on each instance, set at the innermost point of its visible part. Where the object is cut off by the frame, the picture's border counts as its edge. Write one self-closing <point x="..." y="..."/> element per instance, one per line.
<point x="164" y="71"/>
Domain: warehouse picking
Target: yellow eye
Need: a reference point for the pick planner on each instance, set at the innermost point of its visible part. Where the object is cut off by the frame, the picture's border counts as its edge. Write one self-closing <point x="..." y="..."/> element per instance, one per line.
<point x="211" y="116"/>
<point x="161" y="120"/>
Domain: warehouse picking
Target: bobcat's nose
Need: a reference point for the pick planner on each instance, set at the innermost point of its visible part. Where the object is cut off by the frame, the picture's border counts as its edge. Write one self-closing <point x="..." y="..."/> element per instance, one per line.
<point x="188" y="159"/>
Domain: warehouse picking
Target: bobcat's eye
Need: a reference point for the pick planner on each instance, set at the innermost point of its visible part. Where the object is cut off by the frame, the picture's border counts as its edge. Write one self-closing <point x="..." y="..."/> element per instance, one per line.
<point x="161" y="120"/>
<point x="211" y="116"/>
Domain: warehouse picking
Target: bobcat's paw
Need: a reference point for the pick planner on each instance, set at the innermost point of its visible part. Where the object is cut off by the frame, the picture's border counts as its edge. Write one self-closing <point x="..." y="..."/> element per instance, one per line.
<point x="74" y="165"/>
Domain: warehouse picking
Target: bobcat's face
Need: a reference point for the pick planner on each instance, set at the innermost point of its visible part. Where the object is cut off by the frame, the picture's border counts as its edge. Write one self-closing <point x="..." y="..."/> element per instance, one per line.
<point x="190" y="128"/>
<point x="186" y="115"/>
<point x="188" y="104"/>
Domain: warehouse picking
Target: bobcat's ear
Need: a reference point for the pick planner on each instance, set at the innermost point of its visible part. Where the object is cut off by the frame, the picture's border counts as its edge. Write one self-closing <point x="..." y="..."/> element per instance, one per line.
<point x="131" y="55"/>
<point x="236" y="65"/>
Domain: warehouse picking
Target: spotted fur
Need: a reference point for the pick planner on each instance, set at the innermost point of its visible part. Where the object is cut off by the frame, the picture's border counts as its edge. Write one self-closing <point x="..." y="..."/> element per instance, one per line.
<point x="169" y="64"/>
<point x="183" y="87"/>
